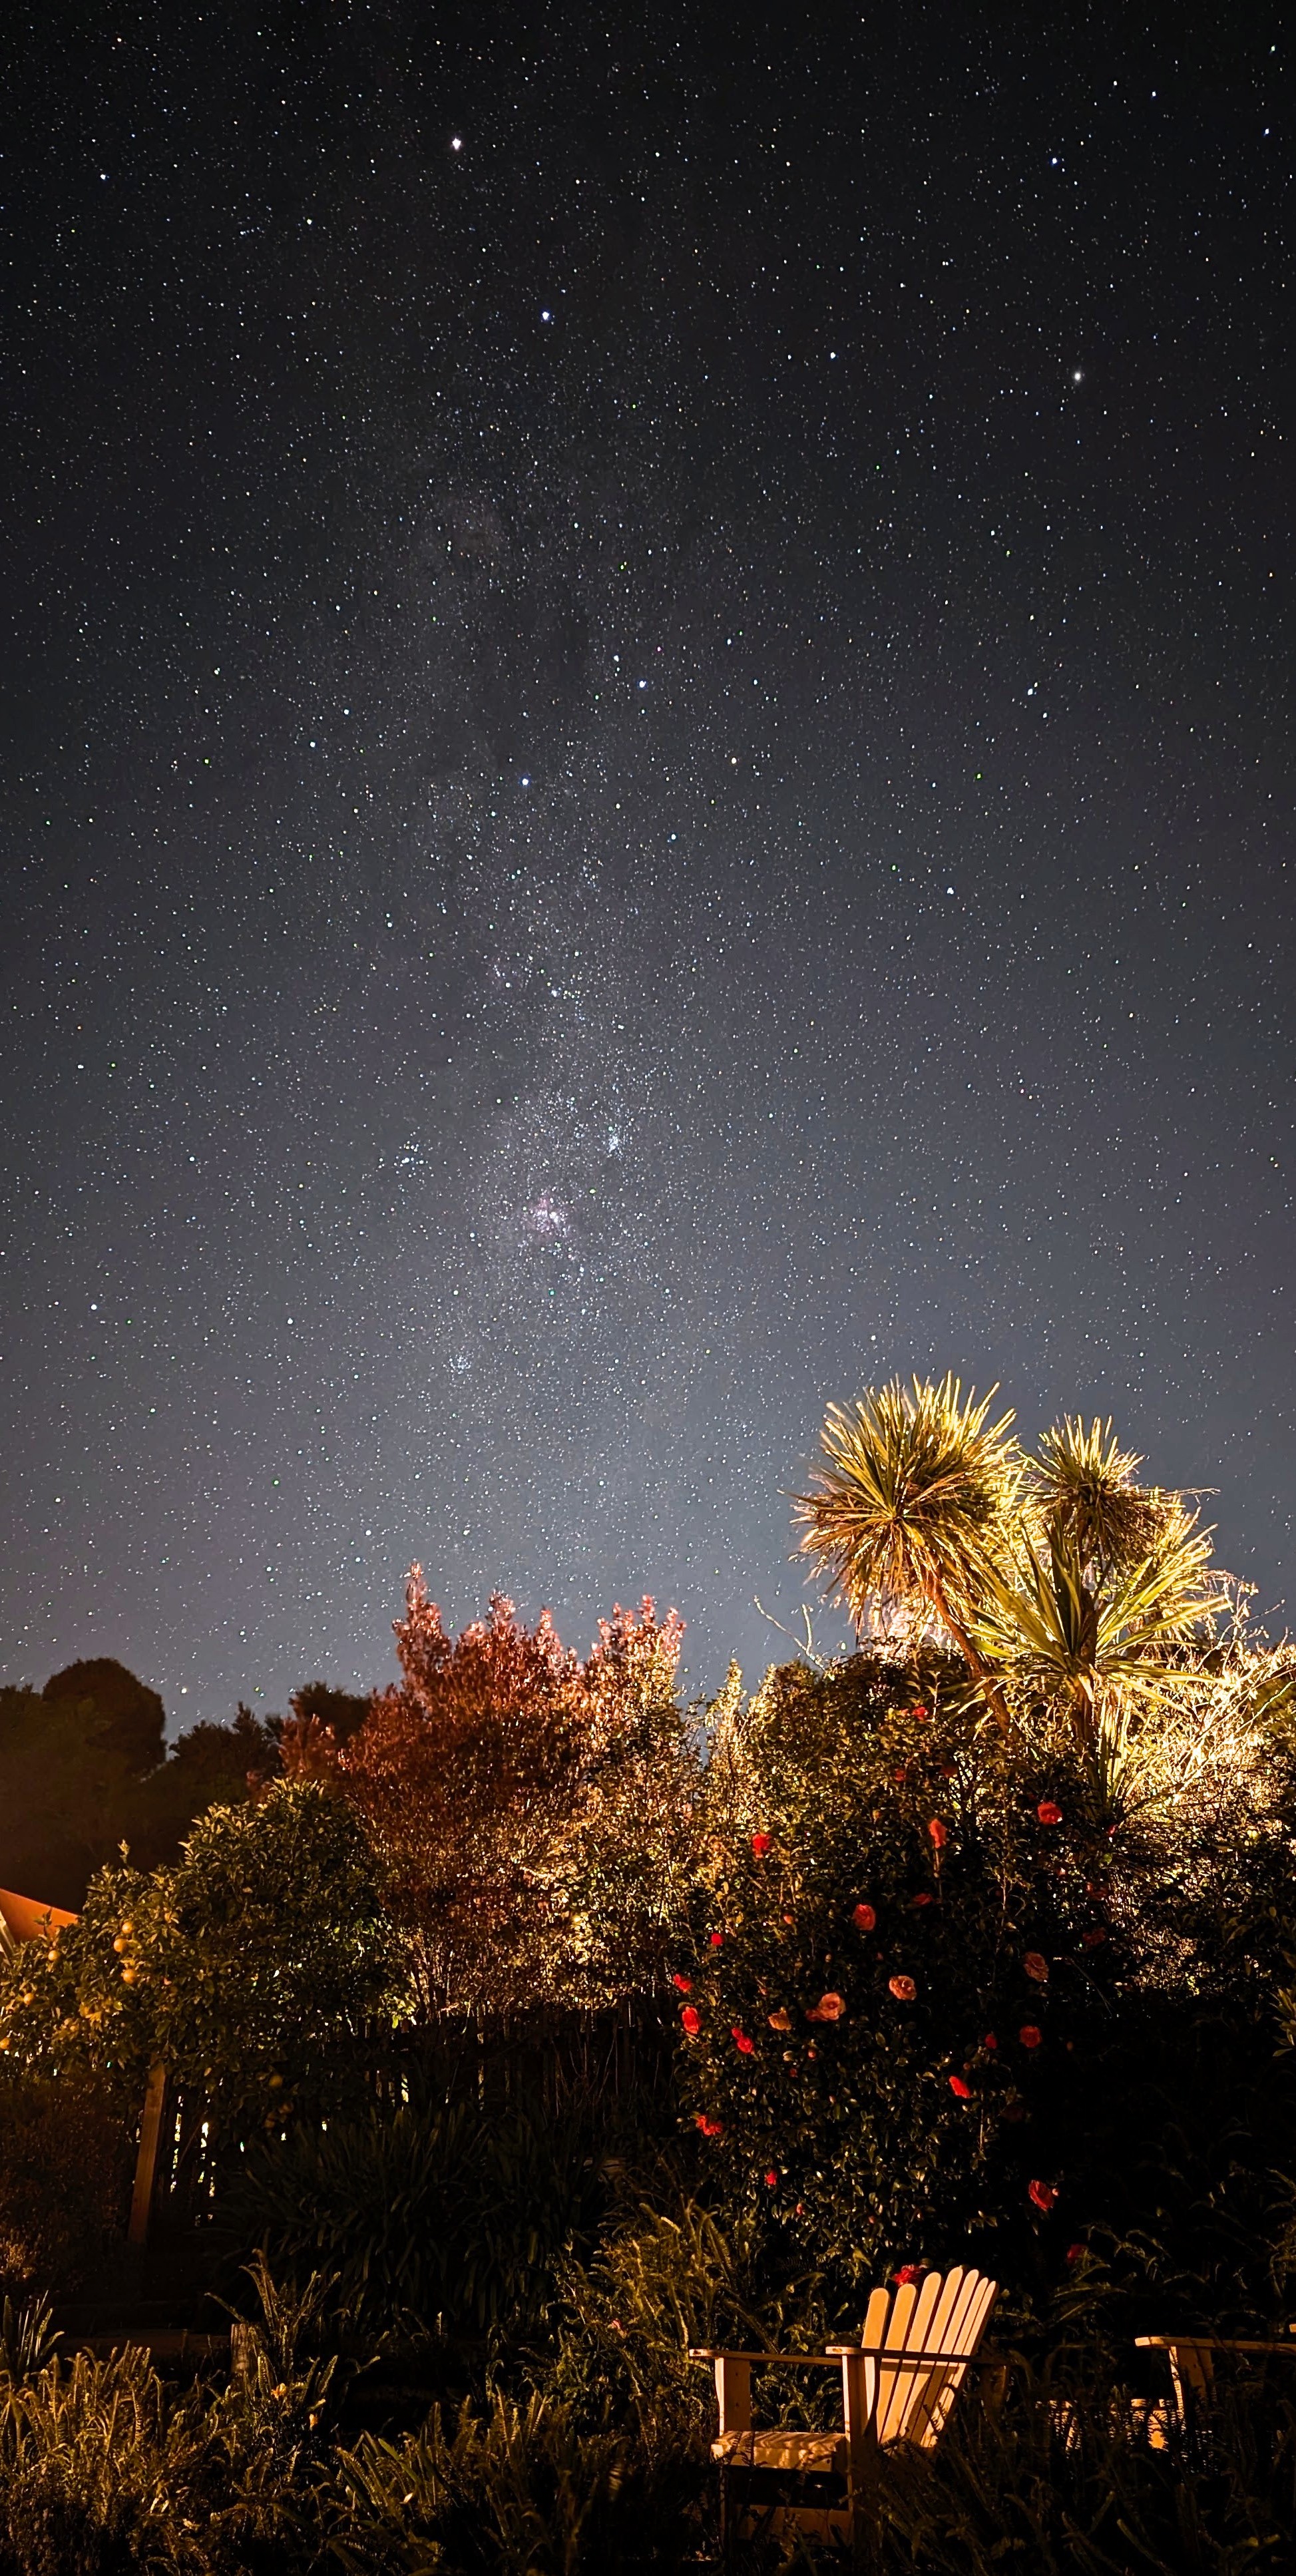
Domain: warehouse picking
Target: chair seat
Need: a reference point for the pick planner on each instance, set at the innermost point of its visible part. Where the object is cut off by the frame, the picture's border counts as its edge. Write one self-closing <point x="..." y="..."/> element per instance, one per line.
<point x="820" y="2454"/>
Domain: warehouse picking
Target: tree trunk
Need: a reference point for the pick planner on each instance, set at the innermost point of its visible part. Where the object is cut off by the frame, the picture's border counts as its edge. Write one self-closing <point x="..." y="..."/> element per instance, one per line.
<point x="990" y="1687"/>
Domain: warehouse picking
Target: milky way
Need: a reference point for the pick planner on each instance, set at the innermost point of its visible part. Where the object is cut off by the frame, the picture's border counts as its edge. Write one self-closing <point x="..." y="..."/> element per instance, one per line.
<point x="647" y="776"/>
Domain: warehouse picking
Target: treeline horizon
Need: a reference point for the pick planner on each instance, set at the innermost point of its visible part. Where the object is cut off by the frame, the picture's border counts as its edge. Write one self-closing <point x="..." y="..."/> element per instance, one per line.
<point x="86" y="1765"/>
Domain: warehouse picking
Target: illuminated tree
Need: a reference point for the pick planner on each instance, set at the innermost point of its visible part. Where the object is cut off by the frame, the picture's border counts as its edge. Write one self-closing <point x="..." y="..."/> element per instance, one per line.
<point x="251" y="1969"/>
<point x="1061" y="1580"/>
<point x="531" y="1811"/>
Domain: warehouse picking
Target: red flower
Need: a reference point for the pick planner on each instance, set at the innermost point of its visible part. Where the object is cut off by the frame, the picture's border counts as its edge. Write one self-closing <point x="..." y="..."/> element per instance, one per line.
<point x="685" y="1984"/>
<point x="1036" y="1966"/>
<point x="1029" y="2036"/>
<point x="742" y="2043"/>
<point x="760" y="1844"/>
<point x="710" y="2128"/>
<point x="771" y="2181"/>
<point x="903" y="1988"/>
<point x="908" y="2272"/>
<point x="989" y="2041"/>
<point x="919" y="1711"/>
<point x="924" y="1897"/>
<point x="716" y="1939"/>
<point x="1092" y="1939"/>
<point x="1074" y="2252"/>
<point x="691" y="2019"/>
<point x="957" y="2085"/>
<point x="1049" y="1812"/>
<point x="864" y="1918"/>
<point x="828" y="2008"/>
<point x="939" y="1833"/>
<point x="901" y="1774"/>
<point x="1043" y="2195"/>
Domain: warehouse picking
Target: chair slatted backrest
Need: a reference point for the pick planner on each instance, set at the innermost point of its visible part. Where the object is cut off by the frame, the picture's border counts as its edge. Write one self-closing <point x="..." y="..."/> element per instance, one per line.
<point x="944" y="2315"/>
<point x="932" y="2408"/>
<point x="911" y="2315"/>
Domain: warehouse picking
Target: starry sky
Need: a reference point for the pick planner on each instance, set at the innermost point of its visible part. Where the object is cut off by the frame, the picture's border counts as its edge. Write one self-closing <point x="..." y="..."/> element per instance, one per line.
<point x="646" y="775"/>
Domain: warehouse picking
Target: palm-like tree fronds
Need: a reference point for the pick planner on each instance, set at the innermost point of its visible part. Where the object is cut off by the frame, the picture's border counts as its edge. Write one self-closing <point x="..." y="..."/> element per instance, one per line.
<point x="1082" y="1489"/>
<point x="1059" y="1637"/>
<point x="911" y="1503"/>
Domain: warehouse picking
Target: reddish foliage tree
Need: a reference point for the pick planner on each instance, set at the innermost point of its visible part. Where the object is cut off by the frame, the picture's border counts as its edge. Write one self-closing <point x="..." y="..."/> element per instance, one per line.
<point x="531" y="1810"/>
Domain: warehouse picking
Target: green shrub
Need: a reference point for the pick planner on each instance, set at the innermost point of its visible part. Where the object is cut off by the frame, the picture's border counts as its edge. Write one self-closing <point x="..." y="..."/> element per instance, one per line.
<point x="1062" y="2480"/>
<point x="100" y="2472"/>
<point x="660" y="2283"/>
<point x="65" y="2166"/>
<point x="511" y="2490"/>
<point x="252" y="1968"/>
<point x="439" y="2213"/>
<point x="274" y="2425"/>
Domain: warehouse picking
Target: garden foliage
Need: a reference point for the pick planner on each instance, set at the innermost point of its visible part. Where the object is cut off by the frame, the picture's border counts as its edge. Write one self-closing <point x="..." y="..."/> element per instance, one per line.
<point x="977" y="1942"/>
<point x="532" y="1812"/>
<point x="252" y="1969"/>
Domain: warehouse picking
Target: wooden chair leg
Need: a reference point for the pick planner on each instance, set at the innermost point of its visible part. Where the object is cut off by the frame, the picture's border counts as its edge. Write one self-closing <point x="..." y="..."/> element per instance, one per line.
<point x="866" y="2509"/>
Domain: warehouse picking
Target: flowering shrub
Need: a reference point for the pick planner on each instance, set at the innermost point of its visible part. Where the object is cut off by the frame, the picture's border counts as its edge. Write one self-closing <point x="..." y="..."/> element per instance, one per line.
<point x="902" y="2003"/>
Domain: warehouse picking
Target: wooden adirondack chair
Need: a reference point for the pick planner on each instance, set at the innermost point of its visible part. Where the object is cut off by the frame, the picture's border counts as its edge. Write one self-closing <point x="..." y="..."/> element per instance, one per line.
<point x="898" y="2385"/>
<point x="1192" y="2373"/>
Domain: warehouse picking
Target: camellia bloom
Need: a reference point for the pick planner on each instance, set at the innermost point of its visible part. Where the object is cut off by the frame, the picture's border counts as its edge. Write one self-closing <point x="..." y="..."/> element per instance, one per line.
<point x="742" y="2043"/>
<point x="716" y="1939"/>
<point x="1029" y="2036"/>
<point x="710" y="2128"/>
<point x="691" y="2019"/>
<point x="939" y="1833"/>
<point x="771" y="2180"/>
<point x="685" y="1984"/>
<point x="963" y="2091"/>
<point x="1036" y="1966"/>
<point x="828" y="2008"/>
<point x="903" y="1988"/>
<point x="1049" y="1812"/>
<point x="908" y="2272"/>
<point x="990" y="2040"/>
<point x="864" y="1918"/>
<point x="779" y="2020"/>
<point x="919" y="1711"/>
<point x="1043" y="2195"/>
<point x="1074" y="2252"/>
<point x="760" y="1844"/>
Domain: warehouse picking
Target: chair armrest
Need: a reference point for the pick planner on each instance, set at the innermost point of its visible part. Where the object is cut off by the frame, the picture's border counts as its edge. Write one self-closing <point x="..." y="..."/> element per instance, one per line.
<point x="784" y="2360"/>
<point x="1211" y="2343"/>
<point x="904" y="2357"/>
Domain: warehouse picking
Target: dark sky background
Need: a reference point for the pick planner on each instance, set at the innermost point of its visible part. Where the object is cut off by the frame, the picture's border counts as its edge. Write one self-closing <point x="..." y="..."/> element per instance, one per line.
<point x="646" y="776"/>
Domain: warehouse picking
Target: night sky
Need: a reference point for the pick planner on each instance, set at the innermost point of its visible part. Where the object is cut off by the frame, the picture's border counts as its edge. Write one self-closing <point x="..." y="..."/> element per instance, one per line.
<point x="646" y="758"/>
